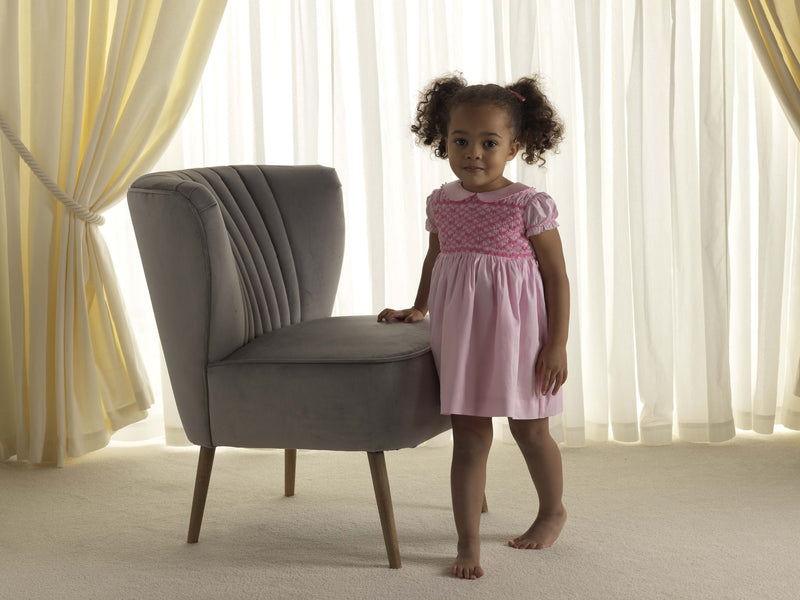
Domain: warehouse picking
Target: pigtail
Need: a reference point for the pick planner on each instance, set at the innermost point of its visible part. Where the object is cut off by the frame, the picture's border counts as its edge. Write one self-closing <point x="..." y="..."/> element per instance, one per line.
<point x="536" y="123"/>
<point x="430" y="124"/>
<point x="540" y="128"/>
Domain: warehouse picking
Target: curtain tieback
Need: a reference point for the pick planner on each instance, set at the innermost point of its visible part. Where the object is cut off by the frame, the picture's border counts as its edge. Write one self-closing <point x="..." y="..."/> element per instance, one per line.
<point x="78" y="209"/>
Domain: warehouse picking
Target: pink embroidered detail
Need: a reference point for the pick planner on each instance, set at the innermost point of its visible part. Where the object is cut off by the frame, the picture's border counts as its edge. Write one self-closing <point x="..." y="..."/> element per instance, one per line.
<point x="473" y="225"/>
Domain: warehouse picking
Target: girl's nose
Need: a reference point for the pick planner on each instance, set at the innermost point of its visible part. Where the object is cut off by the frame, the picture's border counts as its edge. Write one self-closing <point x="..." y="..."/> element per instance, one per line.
<point x="474" y="151"/>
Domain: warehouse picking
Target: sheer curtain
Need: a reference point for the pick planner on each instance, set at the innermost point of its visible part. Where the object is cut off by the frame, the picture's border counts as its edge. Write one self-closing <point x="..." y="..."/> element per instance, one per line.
<point x="676" y="185"/>
<point x="774" y="29"/>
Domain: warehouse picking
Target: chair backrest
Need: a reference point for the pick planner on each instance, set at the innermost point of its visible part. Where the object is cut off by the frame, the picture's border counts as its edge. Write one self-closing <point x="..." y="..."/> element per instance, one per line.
<point x="230" y="253"/>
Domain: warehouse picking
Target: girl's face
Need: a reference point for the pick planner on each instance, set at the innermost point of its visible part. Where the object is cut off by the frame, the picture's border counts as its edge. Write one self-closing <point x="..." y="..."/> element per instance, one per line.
<point x="480" y="142"/>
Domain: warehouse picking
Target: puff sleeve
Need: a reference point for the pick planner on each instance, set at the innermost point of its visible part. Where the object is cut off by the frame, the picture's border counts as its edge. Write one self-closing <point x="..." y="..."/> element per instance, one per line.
<point x="430" y="224"/>
<point x="540" y="214"/>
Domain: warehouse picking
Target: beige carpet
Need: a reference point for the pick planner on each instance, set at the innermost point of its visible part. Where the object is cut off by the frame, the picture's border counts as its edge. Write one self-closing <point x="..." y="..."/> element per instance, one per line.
<point x="684" y="521"/>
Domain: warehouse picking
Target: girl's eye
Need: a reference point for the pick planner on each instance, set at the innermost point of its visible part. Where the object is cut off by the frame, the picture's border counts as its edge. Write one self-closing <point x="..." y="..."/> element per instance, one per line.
<point x="490" y="144"/>
<point x="461" y="142"/>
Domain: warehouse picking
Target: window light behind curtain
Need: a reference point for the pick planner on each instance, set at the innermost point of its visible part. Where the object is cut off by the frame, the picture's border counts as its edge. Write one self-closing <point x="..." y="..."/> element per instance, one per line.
<point x="677" y="183"/>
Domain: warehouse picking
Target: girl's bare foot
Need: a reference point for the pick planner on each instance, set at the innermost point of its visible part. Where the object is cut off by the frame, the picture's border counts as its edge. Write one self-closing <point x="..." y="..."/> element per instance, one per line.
<point x="466" y="564"/>
<point x="543" y="533"/>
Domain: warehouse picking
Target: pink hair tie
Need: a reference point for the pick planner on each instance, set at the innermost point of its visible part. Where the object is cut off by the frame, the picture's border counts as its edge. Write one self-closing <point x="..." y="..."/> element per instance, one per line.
<point x="517" y="94"/>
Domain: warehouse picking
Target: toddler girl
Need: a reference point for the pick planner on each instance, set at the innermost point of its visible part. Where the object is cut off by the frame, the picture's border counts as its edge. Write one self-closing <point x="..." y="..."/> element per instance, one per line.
<point x="495" y="284"/>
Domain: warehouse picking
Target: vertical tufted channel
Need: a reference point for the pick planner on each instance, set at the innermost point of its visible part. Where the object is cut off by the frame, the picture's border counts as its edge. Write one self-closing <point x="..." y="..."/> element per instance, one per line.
<point x="286" y="230"/>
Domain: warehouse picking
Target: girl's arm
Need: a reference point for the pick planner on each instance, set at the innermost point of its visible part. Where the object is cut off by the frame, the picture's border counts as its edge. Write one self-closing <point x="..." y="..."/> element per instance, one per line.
<point x="420" y="308"/>
<point x="551" y="364"/>
<point x="421" y="302"/>
<point x="550" y="255"/>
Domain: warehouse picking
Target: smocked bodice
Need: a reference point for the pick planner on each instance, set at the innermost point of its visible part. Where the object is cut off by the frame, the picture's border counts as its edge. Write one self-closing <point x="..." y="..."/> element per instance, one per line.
<point x="474" y="225"/>
<point x="496" y="223"/>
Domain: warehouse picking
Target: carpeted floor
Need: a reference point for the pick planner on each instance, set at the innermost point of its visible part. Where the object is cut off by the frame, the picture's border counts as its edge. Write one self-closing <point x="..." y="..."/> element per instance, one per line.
<point x="683" y="521"/>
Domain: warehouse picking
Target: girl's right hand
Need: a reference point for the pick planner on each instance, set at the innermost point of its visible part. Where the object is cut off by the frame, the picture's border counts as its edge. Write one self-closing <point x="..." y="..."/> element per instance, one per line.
<point x="409" y="315"/>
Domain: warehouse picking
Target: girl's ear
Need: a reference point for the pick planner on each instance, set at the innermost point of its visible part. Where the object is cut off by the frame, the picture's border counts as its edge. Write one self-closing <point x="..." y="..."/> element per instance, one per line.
<point x="512" y="152"/>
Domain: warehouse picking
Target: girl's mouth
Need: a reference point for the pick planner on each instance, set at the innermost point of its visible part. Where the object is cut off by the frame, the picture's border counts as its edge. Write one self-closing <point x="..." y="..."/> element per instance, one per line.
<point x="472" y="169"/>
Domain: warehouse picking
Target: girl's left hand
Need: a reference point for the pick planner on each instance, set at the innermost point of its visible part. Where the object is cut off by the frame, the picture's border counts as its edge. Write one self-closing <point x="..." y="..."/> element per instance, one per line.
<point x="551" y="367"/>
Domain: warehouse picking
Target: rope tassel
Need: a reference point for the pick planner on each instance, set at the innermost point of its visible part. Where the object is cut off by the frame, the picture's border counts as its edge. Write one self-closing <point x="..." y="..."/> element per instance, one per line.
<point x="78" y="209"/>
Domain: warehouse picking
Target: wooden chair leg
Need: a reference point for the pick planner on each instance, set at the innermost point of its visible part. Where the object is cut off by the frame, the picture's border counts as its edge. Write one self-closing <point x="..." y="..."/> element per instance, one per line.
<point x="204" y="464"/>
<point x="485" y="507"/>
<point x="289" y="471"/>
<point x="380" y="481"/>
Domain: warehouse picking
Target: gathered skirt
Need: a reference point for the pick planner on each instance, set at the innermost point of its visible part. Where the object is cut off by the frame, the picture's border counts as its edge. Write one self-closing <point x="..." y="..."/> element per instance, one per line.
<point x="488" y="324"/>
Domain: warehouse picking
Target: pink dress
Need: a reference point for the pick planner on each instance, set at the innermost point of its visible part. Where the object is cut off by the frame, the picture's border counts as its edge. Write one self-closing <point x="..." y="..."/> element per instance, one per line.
<point x="486" y="301"/>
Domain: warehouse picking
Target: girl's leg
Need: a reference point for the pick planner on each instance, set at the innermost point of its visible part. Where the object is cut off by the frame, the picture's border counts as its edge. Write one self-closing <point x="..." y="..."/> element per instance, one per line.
<point x="472" y="438"/>
<point x="544" y="464"/>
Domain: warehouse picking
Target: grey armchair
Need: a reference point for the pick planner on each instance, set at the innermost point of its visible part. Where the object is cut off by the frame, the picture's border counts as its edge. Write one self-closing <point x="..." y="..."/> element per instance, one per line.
<point x="242" y="264"/>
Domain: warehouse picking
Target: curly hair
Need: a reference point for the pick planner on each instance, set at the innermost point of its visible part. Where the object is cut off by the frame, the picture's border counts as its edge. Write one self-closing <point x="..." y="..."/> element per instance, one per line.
<point x="535" y="122"/>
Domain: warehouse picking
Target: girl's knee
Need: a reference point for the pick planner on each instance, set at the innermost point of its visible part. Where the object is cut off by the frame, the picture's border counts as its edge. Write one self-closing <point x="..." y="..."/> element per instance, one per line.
<point x="472" y="435"/>
<point x="530" y="432"/>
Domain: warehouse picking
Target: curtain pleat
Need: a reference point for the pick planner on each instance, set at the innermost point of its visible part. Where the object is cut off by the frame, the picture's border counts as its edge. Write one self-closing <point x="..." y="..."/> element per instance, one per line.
<point x="774" y="29"/>
<point x="95" y="90"/>
<point x="676" y="183"/>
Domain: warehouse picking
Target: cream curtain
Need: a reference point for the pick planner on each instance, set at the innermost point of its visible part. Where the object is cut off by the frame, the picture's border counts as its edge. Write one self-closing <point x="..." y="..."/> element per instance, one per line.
<point x="774" y="28"/>
<point x="95" y="90"/>
<point x="677" y="183"/>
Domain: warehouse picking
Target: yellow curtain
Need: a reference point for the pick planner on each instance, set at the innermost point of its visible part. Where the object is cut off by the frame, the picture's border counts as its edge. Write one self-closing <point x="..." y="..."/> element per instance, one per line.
<point x="94" y="89"/>
<point x="774" y="29"/>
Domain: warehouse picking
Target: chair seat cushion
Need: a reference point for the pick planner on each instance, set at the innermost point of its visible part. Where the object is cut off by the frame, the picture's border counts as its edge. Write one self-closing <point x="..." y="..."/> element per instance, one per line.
<point x="355" y="339"/>
<point x="339" y="383"/>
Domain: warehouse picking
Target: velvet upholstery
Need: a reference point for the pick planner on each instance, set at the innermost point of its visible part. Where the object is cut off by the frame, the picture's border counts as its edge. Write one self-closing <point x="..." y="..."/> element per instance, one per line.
<point x="242" y="265"/>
